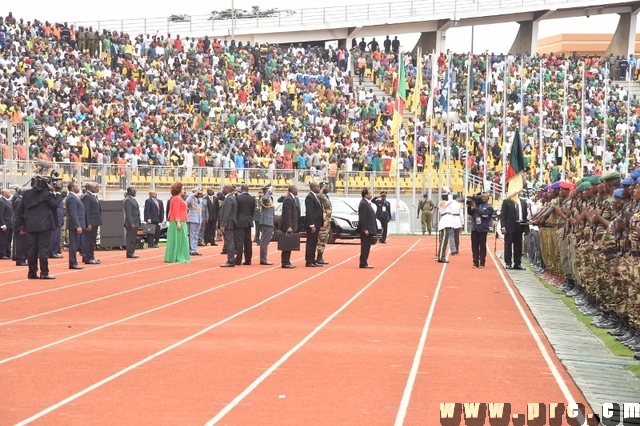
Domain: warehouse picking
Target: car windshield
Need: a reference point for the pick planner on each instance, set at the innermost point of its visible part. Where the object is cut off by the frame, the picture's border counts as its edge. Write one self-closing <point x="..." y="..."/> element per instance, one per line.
<point x="343" y="206"/>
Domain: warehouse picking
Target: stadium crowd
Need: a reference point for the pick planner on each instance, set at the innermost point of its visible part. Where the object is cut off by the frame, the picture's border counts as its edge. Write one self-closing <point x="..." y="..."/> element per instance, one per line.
<point x="112" y="98"/>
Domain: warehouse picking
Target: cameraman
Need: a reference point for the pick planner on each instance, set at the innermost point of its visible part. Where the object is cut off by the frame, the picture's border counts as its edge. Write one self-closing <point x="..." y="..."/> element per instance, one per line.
<point x="35" y="217"/>
<point x="481" y="214"/>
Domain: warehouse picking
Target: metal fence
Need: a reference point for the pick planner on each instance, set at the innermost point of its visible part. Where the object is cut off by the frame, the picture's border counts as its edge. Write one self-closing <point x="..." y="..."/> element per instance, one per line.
<point x="12" y="135"/>
<point x="403" y="188"/>
<point x="321" y="16"/>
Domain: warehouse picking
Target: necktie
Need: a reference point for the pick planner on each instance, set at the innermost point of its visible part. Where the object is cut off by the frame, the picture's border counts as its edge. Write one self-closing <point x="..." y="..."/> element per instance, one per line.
<point x="157" y="205"/>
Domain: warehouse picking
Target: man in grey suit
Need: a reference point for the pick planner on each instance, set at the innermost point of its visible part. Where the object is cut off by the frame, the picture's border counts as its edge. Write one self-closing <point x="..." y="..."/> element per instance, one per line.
<point x="94" y="220"/>
<point x="194" y="219"/>
<point x="131" y="221"/>
<point x="76" y="223"/>
<point x="227" y="218"/>
<point x="267" y="224"/>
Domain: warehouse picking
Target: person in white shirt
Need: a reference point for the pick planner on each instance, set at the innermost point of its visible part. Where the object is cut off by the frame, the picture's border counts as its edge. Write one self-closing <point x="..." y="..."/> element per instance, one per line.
<point x="456" y="212"/>
<point x="445" y="226"/>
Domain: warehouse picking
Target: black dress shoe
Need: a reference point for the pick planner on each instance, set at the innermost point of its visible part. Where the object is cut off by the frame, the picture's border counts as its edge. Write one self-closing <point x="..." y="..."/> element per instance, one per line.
<point x="519" y="268"/>
<point x="75" y="267"/>
<point x="310" y="265"/>
<point x="508" y="267"/>
<point x="319" y="265"/>
<point x="92" y="262"/>
<point x="33" y="277"/>
<point x="55" y="256"/>
<point x="6" y="257"/>
<point x="246" y="263"/>
<point x="238" y="263"/>
<point x="132" y="256"/>
<point x="443" y="261"/>
<point x="266" y="263"/>
<point x="366" y="267"/>
<point x="21" y="264"/>
<point x="47" y="277"/>
<point x="288" y="266"/>
<point x="195" y="253"/>
<point x="227" y="265"/>
<point x="322" y="262"/>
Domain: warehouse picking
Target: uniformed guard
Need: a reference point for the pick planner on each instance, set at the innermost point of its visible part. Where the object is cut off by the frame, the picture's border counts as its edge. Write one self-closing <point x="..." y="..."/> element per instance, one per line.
<point x="325" y="230"/>
<point x="425" y="213"/>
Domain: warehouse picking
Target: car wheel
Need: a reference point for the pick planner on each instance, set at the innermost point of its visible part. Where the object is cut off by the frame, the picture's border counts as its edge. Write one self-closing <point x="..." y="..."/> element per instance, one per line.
<point x="332" y="238"/>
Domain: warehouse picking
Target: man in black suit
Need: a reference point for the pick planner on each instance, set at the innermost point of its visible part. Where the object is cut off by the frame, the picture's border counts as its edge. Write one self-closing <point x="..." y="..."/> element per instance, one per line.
<point x="94" y="220"/>
<point x="19" y="236"/>
<point x="246" y="204"/>
<point x="36" y="218"/>
<point x="153" y="215"/>
<point x="131" y="222"/>
<point x="513" y="221"/>
<point x="289" y="221"/>
<point x="313" y="223"/>
<point x="76" y="223"/>
<point x="228" y="214"/>
<point x="211" y="207"/>
<point x="6" y="227"/>
<point x="367" y="226"/>
<point x="383" y="213"/>
<point x="56" y="235"/>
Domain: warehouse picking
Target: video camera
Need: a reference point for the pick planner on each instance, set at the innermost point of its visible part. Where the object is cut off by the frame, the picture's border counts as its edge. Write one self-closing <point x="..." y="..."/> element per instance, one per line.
<point x="475" y="198"/>
<point x="43" y="182"/>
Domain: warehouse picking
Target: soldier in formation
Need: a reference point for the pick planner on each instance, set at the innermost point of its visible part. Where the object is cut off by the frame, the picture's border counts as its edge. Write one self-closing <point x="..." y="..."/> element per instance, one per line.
<point x="590" y="236"/>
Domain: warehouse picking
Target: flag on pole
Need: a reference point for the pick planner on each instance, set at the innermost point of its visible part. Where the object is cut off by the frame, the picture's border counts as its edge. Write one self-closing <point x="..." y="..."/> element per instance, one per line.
<point x="418" y="87"/>
<point x="401" y="98"/>
<point x="514" y="177"/>
<point x="446" y="89"/>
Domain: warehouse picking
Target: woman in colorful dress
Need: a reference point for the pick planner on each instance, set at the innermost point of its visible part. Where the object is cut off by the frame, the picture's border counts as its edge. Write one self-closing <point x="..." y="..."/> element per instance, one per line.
<point x="177" y="250"/>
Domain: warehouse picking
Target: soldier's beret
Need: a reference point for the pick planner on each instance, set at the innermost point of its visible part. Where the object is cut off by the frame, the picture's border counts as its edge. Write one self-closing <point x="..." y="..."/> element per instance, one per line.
<point x="555" y="185"/>
<point x="618" y="193"/>
<point x="611" y="176"/>
<point x="638" y="181"/>
<point x="627" y="181"/>
<point x="635" y="174"/>
<point x="567" y="185"/>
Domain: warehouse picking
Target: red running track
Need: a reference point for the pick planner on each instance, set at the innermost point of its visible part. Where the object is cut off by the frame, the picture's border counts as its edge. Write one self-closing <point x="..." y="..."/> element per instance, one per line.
<point x="196" y="344"/>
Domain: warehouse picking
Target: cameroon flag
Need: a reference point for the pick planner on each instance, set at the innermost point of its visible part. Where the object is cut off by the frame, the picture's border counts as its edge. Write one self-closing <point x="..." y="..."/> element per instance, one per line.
<point x="288" y="147"/>
<point x="386" y="166"/>
<point x="401" y="98"/>
<point x="515" y="166"/>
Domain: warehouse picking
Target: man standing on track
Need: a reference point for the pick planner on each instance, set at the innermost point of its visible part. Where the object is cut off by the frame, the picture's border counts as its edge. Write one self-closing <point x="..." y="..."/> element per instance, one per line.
<point x="76" y="223"/>
<point x="425" y="213"/>
<point x="228" y="213"/>
<point x="325" y="231"/>
<point x="313" y="223"/>
<point x="131" y="222"/>
<point x="383" y="214"/>
<point x="513" y="223"/>
<point x="6" y="227"/>
<point x="56" y="235"/>
<point x="19" y="237"/>
<point x="367" y="226"/>
<point x="445" y="227"/>
<point x="211" y="206"/>
<point x="289" y="221"/>
<point x="194" y="219"/>
<point x="481" y="216"/>
<point x="246" y="205"/>
<point x="94" y="220"/>
<point x="153" y="215"/>
<point x="267" y="224"/>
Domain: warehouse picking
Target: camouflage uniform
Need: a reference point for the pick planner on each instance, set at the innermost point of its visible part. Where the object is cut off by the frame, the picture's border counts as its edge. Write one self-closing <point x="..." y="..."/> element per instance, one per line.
<point x="325" y="231"/>
<point x="425" y="207"/>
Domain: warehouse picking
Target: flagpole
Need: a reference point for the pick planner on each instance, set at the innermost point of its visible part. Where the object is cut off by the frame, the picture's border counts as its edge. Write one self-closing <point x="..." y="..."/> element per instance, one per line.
<point x="466" y="146"/>
<point x="504" y="129"/>
<point x="564" y="121"/>
<point x="432" y="94"/>
<point x="487" y="106"/>
<point x="448" y="76"/>
<point x="416" y="109"/>
<point x="582" y="127"/>
<point x="540" y="137"/>
<point x="606" y="113"/>
<point x="400" y="81"/>
<point x="626" y="160"/>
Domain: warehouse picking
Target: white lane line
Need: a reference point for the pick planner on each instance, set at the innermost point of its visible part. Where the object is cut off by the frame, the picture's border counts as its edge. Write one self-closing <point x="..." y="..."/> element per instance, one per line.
<point x="81" y="283"/>
<point x="174" y="346"/>
<point x="413" y="373"/>
<point x="114" y="294"/>
<point x="543" y="350"/>
<point x="293" y="350"/>
<point x="92" y="268"/>
<point x="101" y="327"/>
<point x="51" y="266"/>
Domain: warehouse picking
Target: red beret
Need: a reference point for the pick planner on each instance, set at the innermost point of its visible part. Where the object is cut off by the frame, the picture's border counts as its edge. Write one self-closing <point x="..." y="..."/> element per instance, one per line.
<point x="566" y="185"/>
